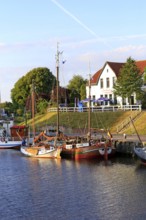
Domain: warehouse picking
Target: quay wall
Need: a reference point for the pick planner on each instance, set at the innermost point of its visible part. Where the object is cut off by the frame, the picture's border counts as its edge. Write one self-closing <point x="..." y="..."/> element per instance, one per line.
<point x="126" y="147"/>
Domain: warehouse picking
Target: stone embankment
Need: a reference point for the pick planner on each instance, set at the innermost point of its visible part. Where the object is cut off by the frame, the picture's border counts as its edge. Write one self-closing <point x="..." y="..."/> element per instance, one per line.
<point x="125" y="143"/>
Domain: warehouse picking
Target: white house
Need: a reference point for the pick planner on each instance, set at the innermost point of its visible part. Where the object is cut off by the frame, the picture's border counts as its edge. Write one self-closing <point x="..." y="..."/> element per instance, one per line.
<point x="103" y="80"/>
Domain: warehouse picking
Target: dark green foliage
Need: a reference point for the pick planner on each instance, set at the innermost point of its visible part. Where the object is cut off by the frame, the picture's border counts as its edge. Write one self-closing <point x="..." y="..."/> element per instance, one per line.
<point x="77" y="87"/>
<point x="83" y="91"/>
<point x="44" y="81"/>
<point x="129" y="81"/>
<point x="8" y="107"/>
<point x="144" y="77"/>
<point x="42" y="106"/>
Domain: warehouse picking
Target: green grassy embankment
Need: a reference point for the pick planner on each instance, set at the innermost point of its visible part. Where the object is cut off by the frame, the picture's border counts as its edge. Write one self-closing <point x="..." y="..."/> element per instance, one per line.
<point x="99" y="120"/>
<point x="140" y="125"/>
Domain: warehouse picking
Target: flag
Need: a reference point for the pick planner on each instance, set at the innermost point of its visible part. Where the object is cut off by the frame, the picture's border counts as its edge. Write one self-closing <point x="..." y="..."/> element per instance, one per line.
<point x="109" y="134"/>
<point x="63" y="61"/>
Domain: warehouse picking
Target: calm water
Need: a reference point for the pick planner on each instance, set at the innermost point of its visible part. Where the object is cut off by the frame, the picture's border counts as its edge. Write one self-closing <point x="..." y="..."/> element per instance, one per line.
<point x="67" y="190"/>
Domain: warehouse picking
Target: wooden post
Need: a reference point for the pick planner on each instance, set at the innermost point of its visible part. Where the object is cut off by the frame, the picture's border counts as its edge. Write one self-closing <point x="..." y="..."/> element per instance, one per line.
<point x="105" y="152"/>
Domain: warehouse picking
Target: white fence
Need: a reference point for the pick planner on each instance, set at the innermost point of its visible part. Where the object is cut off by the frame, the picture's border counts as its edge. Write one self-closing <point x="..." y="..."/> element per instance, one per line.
<point x="102" y="108"/>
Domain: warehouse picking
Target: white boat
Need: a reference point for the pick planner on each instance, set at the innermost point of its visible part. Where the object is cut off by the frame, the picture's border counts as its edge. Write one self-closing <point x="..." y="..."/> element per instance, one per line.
<point x="10" y="144"/>
<point x="41" y="150"/>
<point x="141" y="153"/>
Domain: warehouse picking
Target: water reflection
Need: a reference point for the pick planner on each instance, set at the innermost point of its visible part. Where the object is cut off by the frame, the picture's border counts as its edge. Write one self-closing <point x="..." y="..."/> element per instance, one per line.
<point x="33" y="188"/>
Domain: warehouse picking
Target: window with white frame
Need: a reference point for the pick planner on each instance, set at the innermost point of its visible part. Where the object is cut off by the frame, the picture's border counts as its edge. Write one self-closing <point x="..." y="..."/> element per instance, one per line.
<point x="107" y="83"/>
<point x="101" y="83"/>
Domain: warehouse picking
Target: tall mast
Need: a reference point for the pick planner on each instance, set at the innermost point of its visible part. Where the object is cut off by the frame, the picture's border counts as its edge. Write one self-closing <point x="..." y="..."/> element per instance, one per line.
<point x="136" y="131"/>
<point x="89" y="109"/>
<point x="57" y="79"/>
<point x="33" y="107"/>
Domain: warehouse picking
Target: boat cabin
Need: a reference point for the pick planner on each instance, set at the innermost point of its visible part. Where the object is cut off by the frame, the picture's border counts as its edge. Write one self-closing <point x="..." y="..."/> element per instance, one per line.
<point x="19" y="131"/>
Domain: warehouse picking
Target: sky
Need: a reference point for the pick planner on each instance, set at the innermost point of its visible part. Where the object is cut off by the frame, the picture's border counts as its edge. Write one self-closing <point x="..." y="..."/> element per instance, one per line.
<point x="88" y="34"/>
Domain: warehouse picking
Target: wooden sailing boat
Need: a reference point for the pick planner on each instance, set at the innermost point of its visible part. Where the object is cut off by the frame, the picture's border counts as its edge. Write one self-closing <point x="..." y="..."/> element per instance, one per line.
<point x="88" y="149"/>
<point x="43" y="149"/>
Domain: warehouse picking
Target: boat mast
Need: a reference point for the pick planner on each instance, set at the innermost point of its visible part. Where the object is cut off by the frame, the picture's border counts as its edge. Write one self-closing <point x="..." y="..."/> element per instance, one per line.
<point x="136" y="131"/>
<point x="57" y="79"/>
<point x="33" y="107"/>
<point x="89" y="110"/>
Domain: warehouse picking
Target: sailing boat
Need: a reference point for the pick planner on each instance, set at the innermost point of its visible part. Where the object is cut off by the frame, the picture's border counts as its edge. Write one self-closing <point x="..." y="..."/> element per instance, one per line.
<point x="87" y="149"/>
<point x="140" y="151"/>
<point x="7" y="142"/>
<point x="141" y="154"/>
<point x="43" y="149"/>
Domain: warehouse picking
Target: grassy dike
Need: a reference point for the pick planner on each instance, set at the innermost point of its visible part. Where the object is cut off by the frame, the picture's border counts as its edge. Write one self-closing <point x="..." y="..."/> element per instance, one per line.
<point x="99" y="120"/>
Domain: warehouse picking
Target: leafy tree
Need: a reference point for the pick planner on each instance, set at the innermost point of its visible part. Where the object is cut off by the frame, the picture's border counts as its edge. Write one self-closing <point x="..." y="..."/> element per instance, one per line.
<point x="43" y="79"/>
<point x="83" y="92"/>
<point x="42" y="105"/>
<point x="19" y="112"/>
<point x="144" y="77"/>
<point x="75" y="85"/>
<point x="8" y="106"/>
<point x="129" y="80"/>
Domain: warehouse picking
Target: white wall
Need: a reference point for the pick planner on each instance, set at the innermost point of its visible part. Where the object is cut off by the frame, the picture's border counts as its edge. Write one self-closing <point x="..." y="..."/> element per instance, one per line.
<point x="97" y="91"/>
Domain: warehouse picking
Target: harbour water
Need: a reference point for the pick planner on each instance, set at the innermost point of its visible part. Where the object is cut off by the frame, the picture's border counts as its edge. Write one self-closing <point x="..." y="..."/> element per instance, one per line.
<point x="45" y="189"/>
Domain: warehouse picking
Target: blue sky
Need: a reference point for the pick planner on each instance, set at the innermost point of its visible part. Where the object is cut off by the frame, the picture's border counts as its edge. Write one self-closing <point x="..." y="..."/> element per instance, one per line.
<point x="89" y="32"/>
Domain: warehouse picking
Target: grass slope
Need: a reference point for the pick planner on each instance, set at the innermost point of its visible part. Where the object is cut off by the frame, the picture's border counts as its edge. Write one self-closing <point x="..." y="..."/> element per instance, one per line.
<point x="140" y="125"/>
<point x="99" y="120"/>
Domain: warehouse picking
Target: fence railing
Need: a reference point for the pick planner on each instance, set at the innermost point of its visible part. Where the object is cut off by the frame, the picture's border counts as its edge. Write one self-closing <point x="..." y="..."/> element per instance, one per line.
<point x="102" y="108"/>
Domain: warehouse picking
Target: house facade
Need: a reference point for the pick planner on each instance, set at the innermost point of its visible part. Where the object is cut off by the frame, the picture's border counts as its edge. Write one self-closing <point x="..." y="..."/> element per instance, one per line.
<point x="102" y="82"/>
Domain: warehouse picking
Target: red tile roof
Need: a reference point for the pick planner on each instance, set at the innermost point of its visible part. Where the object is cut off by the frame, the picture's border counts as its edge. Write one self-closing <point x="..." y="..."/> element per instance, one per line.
<point x="141" y="65"/>
<point x="95" y="77"/>
<point x="116" y="68"/>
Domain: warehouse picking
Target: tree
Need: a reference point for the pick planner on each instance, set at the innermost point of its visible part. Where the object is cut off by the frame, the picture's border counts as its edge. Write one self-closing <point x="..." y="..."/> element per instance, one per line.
<point x="76" y="85"/>
<point x="42" y="106"/>
<point x="83" y="92"/>
<point x="44" y="81"/>
<point x="63" y="97"/>
<point x="8" y="107"/>
<point x="144" y="77"/>
<point x="129" y="81"/>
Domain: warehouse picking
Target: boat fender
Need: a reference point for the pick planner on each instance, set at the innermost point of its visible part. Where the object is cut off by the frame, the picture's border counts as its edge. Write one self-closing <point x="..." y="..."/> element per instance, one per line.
<point x="98" y="144"/>
<point x="2" y="139"/>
